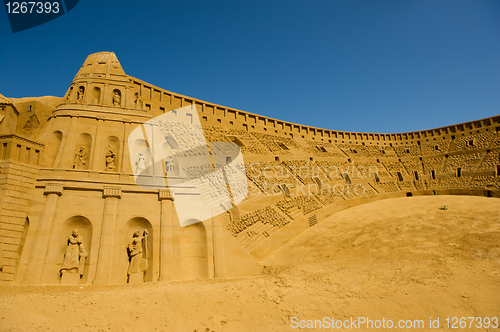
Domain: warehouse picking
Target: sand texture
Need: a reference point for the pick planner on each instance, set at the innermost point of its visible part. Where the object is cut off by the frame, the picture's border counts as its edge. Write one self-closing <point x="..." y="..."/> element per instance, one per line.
<point x="394" y="259"/>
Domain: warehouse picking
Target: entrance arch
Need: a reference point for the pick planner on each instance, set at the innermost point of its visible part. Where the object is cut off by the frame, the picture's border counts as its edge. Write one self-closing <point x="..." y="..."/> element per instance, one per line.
<point x="193" y="251"/>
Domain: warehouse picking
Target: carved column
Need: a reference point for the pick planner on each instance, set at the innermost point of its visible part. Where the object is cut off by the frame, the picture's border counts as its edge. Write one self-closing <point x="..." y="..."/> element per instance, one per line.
<point x="126" y="97"/>
<point x="43" y="235"/>
<point x="167" y="257"/>
<point x="93" y="160"/>
<point x="218" y="248"/>
<point x="111" y="196"/>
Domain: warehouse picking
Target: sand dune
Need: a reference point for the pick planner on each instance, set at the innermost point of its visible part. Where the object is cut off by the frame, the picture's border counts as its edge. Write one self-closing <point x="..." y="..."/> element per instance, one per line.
<point x="398" y="259"/>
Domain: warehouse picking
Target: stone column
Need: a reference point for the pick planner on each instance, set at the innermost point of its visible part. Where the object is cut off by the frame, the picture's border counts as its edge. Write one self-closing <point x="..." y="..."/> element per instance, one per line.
<point x="167" y="225"/>
<point x="43" y="235"/>
<point x="93" y="159"/>
<point x="111" y="196"/>
<point x="218" y="248"/>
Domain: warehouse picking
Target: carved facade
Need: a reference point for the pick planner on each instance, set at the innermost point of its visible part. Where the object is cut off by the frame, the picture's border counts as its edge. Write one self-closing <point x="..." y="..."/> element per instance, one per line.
<point x="71" y="211"/>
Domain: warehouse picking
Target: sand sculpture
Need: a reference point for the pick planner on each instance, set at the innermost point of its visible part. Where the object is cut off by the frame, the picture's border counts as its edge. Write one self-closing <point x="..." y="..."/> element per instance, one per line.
<point x="66" y="168"/>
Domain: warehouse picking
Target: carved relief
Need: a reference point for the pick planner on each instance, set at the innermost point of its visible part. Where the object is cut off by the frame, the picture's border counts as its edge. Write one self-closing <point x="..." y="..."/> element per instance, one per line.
<point x="74" y="258"/>
<point x="117" y="98"/>
<point x="137" y="101"/>
<point x="32" y="123"/>
<point x="140" y="163"/>
<point x="137" y="263"/>
<point x="110" y="161"/>
<point x="80" y="159"/>
<point x="81" y="92"/>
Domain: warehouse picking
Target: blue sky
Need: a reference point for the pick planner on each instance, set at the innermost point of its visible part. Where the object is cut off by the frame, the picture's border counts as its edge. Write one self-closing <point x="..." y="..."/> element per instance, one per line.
<point x="367" y="66"/>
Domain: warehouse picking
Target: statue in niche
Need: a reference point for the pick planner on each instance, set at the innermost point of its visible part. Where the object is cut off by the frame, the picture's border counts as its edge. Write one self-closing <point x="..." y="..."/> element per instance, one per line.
<point x="74" y="258"/>
<point x="137" y="263"/>
<point x="169" y="164"/>
<point x="110" y="161"/>
<point x="140" y="163"/>
<point x="80" y="159"/>
<point x="117" y="99"/>
<point x="137" y="101"/>
<point x="81" y="91"/>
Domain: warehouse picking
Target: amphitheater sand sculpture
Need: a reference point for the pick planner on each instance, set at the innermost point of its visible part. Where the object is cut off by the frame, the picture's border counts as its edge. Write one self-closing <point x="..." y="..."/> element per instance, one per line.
<point x="73" y="213"/>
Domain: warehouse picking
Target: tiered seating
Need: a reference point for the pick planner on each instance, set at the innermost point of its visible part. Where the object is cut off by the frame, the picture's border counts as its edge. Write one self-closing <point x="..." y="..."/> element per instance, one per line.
<point x="432" y="164"/>
<point x="407" y="151"/>
<point x="369" y="169"/>
<point x="434" y="148"/>
<point x="353" y="150"/>
<point x="467" y="162"/>
<point x="305" y="203"/>
<point x="389" y="187"/>
<point x="269" y="175"/>
<point x="481" y="141"/>
<point x="267" y="215"/>
<point x="277" y="144"/>
<point x="322" y="149"/>
<point x="394" y="167"/>
<point x="490" y="162"/>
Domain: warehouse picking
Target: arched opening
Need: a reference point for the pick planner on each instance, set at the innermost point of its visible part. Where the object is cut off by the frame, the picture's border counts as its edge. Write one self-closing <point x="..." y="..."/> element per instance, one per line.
<point x="193" y="250"/>
<point x="72" y="260"/>
<point x="96" y="95"/>
<point x="82" y="151"/>
<point x="489" y="193"/>
<point x="143" y="253"/>
<point x="111" y="153"/>
<point x="409" y="194"/>
<point x="53" y="144"/>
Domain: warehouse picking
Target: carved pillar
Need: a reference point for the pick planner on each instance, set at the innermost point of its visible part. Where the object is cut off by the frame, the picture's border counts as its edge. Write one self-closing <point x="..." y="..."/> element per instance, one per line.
<point x="167" y="257"/>
<point x="218" y="248"/>
<point x="43" y="235"/>
<point x="105" y="95"/>
<point x="95" y="141"/>
<point x="126" y="97"/>
<point x="111" y="196"/>
<point x="67" y="158"/>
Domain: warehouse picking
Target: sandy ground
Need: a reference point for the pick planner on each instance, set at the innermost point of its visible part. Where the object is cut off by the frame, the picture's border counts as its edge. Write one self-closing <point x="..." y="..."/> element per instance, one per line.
<point x="398" y="259"/>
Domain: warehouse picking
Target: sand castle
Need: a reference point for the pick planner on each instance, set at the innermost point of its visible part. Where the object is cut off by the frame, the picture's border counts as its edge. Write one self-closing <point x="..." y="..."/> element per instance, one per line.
<point x="71" y="211"/>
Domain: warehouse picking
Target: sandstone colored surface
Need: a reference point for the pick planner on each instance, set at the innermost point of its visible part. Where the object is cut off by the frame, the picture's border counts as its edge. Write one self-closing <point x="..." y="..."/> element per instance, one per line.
<point x="72" y="212"/>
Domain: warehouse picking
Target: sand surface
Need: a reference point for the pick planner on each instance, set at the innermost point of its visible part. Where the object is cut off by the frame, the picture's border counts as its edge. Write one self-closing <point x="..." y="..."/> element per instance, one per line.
<point x="398" y="259"/>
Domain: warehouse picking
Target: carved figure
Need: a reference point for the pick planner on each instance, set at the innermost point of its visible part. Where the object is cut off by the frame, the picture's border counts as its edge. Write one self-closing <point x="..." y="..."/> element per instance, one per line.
<point x="110" y="161"/>
<point x="74" y="258"/>
<point x="140" y="163"/>
<point x="117" y="99"/>
<point x="81" y="91"/>
<point x="169" y="164"/>
<point x="137" y="263"/>
<point x="138" y="101"/>
<point x="80" y="158"/>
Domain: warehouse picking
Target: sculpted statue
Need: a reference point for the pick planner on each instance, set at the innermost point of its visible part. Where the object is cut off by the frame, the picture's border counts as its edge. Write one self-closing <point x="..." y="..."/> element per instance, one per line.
<point x="74" y="258"/>
<point x="80" y="94"/>
<point x="80" y="158"/>
<point x="169" y="164"/>
<point x="138" y="101"/>
<point x="110" y="161"/>
<point x="137" y="263"/>
<point x="117" y="99"/>
<point x="140" y="163"/>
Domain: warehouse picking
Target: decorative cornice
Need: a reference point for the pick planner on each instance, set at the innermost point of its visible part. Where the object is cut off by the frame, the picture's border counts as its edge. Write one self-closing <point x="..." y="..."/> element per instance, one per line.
<point x="53" y="188"/>
<point x="112" y="192"/>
